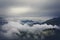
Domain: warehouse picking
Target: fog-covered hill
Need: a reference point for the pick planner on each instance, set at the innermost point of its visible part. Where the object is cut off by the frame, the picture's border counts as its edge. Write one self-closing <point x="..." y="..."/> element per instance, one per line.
<point x="2" y="21"/>
<point x="47" y="34"/>
<point x="30" y="30"/>
<point x="54" y="21"/>
<point x="30" y="22"/>
<point x="56" y="35"/>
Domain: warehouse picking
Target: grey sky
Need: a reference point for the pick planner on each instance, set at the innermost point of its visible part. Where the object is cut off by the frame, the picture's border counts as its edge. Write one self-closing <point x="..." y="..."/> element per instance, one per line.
<point x="29" y="8"/>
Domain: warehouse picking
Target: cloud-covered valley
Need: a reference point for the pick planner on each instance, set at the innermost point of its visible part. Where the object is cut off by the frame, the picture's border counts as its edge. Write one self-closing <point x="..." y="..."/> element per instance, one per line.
<point x="10" y="30"/>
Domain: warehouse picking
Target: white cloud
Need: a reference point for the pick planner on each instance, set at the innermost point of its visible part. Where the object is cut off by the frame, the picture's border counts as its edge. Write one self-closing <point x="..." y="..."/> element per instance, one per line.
<point x="14" y="27"/>
<point x="28" y="18"/>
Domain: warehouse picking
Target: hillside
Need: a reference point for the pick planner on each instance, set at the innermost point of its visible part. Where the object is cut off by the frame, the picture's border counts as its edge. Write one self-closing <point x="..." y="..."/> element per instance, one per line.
<point x="54" y="21"/>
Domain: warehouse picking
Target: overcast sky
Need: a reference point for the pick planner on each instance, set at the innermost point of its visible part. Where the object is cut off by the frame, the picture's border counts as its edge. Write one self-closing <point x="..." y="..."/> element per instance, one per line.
<point x="29" y="8"/>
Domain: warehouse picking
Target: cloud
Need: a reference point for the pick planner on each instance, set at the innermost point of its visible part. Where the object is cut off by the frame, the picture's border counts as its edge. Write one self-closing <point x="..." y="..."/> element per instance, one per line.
<point x="9" y="30"/>
<point x="42" y="7"/>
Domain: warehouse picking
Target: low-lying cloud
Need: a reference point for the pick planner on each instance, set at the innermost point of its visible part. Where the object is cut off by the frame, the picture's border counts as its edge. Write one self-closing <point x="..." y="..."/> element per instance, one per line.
<point x="9" y="30"/>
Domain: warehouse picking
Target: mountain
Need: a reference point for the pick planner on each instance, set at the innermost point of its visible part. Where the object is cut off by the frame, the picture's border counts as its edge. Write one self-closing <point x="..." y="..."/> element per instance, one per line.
<point x="56" y="35"/>
<point x="54" y="21"/>
<point x="2" y="21"/>
<point x="30" y="22"/>
<point x="47" y="34"/>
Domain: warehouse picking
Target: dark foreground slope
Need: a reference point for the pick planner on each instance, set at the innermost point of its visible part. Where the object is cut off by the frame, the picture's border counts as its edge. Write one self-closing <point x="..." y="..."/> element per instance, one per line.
<point x="56" y="35"/>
